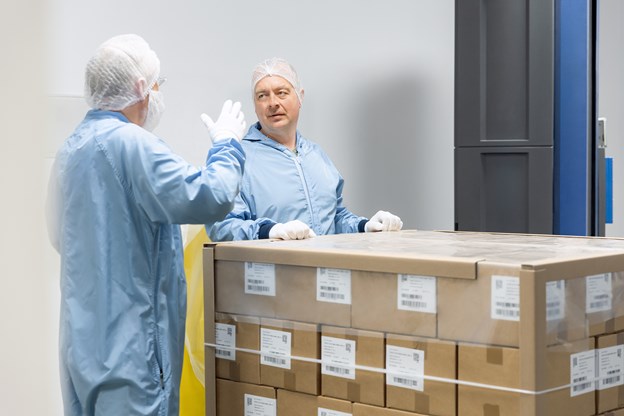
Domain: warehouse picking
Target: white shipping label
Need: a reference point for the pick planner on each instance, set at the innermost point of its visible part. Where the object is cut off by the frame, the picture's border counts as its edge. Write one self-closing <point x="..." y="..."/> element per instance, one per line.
<point x="505" y="298"/>
<point x="610" y="367"/>
<point x="275" y="348"/>
<point x="598" y="293"/>
<point x="260" y="406"/>
<point x="405" y="367"/>
<point x="328" y="412"/>
<point x="555" y="300"/>
<point x="338" y="357"/>
<point x="333" y="285"/>
<point x="259" y="279"/>
<point x="582" y="372"/>
<point x="225" y="336"/>
<point x="416" y="293"/>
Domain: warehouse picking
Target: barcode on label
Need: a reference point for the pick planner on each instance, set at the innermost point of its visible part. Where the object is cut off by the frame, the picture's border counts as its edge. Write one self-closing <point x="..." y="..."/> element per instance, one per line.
<point x="258" y="288"/>
<point x="405" y="381"/>
<point x="273" y="360"/>
<point x="580" y="387"/>
<point x="413" y="304"/>
<point x="223" y="353"/>
<point x="338" y="370"/>
<point x="330" y="288"/>
<point x="411" y="296"/>
<point x="611" y="380"/>
<point x="332" y="295"/>
<point x="505" y="312"/>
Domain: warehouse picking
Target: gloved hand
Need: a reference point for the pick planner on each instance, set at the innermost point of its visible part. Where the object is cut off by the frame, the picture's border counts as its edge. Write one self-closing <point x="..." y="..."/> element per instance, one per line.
<point x="292" y="230"/>
<point x="383" y="221"/>
<point x="230" y="125"/>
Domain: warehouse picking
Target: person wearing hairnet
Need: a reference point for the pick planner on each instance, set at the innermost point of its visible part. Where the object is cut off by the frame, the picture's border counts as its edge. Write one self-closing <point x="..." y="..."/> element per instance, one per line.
<point x="291" y="189"/>
<point x="116" y="195"/>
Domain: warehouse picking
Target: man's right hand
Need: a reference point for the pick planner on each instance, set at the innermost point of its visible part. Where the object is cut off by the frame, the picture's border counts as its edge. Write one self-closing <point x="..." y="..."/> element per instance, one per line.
<point x="292" y="230"/>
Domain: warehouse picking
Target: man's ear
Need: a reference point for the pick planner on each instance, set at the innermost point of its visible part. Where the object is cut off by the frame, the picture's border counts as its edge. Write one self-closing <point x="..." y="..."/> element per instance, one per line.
<point x="141" y="87"/>
<point x="301" y="95"/>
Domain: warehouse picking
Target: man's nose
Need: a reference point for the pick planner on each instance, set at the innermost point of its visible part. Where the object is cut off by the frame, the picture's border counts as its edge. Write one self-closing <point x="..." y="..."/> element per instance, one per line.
<point x="273" y="102"/>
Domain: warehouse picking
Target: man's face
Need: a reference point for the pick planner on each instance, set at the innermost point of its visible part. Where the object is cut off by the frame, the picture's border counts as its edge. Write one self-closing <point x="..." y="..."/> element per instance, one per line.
<point x="277" y="106"/>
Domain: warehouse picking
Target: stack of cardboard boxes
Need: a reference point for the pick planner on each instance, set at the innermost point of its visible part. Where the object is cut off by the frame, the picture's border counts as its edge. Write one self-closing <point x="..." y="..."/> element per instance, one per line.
<point x="415" y="323"/>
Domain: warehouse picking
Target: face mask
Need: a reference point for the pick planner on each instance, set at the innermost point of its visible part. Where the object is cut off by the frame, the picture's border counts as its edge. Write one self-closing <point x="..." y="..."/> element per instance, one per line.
<point x="155" y="108"/>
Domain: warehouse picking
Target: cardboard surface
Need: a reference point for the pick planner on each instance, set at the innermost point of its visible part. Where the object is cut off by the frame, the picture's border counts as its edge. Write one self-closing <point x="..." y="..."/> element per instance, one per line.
<point x="291" y="403"/>
<point x="610" y="398"/>
<point x="368" y="386"/>
<point x="437" y="398"/>
<point x="231" y="396"/>
<point x="246" y="367"/>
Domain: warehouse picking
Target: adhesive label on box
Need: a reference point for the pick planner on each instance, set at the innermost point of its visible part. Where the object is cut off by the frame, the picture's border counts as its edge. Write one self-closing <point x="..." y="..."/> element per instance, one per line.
<point x="333" y="285"/>
<point x="260" y="279"/>
<point x="610" y="367"/>
<point x="260" y="406"/>
<point x="225" y="338"/>
<point x="405" y="367"/>
<point x="598" y="293"/>
<point x="505" y="298"/>
<point x="328" y="412"/>
<point x="275" y="348"/>
<point x="582" y="372"/>
<point x="338" y="357"/>
<point x="416" y="293"/>
<point x="555" y="300"/>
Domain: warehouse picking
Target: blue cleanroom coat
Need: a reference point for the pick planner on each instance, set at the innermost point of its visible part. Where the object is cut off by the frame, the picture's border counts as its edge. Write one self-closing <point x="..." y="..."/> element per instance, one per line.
<point x="279" y="186"/>
<point x="116" y="194"/>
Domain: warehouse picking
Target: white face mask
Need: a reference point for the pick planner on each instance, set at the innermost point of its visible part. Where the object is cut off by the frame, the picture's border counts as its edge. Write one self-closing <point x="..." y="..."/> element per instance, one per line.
<point x="155" y="109"/>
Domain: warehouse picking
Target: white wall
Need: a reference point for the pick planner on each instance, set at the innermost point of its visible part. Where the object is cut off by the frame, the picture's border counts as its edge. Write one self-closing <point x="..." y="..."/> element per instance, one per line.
<point x="611" y="100"/>
<point x="378" y="78"/>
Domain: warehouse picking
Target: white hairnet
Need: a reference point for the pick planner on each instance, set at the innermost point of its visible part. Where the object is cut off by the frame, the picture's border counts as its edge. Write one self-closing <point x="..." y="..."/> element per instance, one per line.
<point x="279" y="67"/>
<point x="121" y="73"/>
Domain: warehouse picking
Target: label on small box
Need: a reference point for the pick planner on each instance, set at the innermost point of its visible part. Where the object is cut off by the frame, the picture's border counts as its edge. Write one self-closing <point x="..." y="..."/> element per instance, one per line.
<point x="599" y="293"/>
<point x="405" y="367"/>
<point x="582" y="372"/>
<point x="610" y="367"/>
<point x="225" y="336"/>
<point x="260" y="406"/>
<point x="505" y="298"/>
<point x="328" y="412"/>
<point x="555" y="300"/>
<point x="333" y="285"/>
<point x="259" y="279"/>
<point x="338" y="357"/>
<point x="275" y="348"/>
<point x="416" y="293"/>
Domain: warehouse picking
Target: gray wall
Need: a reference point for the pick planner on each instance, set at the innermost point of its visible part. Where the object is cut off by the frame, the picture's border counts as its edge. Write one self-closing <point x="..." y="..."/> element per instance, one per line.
<point x="378" y="80"/>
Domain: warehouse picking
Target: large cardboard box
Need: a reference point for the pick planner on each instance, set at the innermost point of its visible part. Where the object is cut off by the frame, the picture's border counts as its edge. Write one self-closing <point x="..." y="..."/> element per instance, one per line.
<point x="366" y="410"/>
<point x="290" y="403"/>
<point x="243" y="399"/>
<point x="244" y="333"/>
<point x="339" y="378"/>
<point x="619" y="412"/>
<point x="429" y="396"/>
<point x="380" y="303"/>
<point x="289" y="355"/>
<point x="610" y="362"/>
<point x="500" y="384"/>
<point x="289" y="292"/>
<point x="503" y="290"/>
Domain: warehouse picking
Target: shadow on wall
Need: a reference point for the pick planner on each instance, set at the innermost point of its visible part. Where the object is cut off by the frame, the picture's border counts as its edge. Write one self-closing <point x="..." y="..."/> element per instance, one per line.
<point x="389" y="114"/>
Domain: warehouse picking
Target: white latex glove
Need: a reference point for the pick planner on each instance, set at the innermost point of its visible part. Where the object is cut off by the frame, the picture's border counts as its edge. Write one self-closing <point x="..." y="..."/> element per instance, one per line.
<point x="383" y="221"/>
<point x="291" y="230"/>
<point x="230" y="125"/>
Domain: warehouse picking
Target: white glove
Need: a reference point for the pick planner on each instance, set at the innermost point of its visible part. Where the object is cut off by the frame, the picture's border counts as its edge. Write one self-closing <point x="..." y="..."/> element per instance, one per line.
<point x="292" y="230"/>
<point x="230" y="125"/>
<point x="383" y="221"/>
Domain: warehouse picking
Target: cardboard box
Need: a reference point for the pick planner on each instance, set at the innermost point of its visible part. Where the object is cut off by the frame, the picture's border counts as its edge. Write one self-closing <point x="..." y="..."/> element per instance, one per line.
<point x="233" y="398"/>
<point x="507" y="382"/>
<point x="612" y="319"/>
<point x="295" y="297"/>
<point x="246" y="366"/>
<point x="610" y="362"/>
<point x="290" y="403"/>
<point x="365" y="386"/>
<point x="375" y="306"/>
<point x="296" y="374"/>
<point x="366" y="410"/>
<point x="466" y="267"/>
<point x="435" y="397"/>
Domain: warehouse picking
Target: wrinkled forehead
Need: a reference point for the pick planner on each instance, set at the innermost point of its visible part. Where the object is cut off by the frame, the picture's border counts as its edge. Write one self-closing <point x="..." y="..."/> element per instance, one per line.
<point x="271" y="82"/>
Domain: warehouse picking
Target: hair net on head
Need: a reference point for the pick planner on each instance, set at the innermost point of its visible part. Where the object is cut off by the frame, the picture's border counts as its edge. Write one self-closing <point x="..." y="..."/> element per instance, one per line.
<point x="121" y="72"/>
<point x="279" y="67"/>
